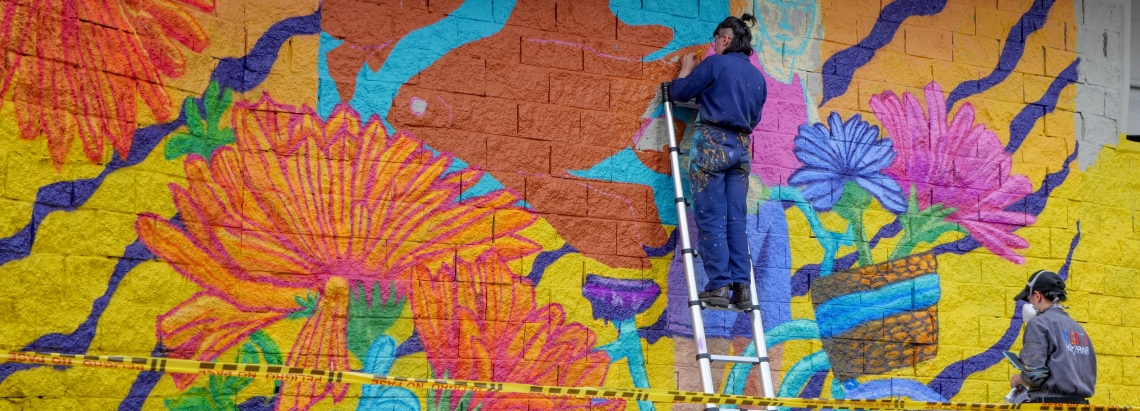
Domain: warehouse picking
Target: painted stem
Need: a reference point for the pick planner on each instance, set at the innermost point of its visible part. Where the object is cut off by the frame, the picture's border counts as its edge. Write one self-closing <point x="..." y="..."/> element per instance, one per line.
<point x="904" y="248"/>
<point x="861" y="244"/>
<point x="829" y="240"/>
<point x="851" y="206"/>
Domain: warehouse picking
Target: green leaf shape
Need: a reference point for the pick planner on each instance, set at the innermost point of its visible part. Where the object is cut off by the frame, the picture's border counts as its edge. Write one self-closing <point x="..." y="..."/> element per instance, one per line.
<point x="308" y="306"/>
<point x="367" y="322"/>
<point x="851" y="204"/>
<point x="923" y="226"/>
<point x="194" y="399"/>
<point x="440" y="400"/>
<point x="220" y="392"/>
<point x="203" y="136"/>
<point x="268" y="348"/>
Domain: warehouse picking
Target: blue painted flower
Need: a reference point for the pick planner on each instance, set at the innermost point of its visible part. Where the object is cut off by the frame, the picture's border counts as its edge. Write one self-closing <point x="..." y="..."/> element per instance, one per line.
<point x="850" y="151"/>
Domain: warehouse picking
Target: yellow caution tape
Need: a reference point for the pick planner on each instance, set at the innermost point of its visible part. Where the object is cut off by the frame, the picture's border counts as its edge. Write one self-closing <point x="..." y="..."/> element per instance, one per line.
<point x="283" y="373"/>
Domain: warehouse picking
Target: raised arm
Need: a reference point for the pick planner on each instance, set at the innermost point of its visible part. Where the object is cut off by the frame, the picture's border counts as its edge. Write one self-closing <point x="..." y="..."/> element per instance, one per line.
<point x="688" y="85"/>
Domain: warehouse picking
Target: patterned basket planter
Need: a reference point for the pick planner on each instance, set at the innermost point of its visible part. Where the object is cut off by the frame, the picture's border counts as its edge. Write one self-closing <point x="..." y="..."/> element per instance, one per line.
<point x="878" y="318"/>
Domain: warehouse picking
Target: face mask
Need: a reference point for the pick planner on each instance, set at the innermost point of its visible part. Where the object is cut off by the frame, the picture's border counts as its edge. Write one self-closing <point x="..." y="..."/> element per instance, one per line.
<point x="1028" y="311"/>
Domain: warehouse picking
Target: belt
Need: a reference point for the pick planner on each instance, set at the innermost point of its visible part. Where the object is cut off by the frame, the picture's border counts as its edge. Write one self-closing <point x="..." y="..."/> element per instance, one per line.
<point x="730" y="130"/>
<point x="1060" y="400"/>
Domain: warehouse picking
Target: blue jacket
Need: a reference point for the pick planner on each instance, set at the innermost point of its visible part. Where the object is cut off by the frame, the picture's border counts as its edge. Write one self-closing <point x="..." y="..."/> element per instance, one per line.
<point x="730" y="90"/>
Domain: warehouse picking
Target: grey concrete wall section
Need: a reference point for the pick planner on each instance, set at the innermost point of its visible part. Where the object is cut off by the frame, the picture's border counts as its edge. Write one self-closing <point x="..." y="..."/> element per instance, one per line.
<point x="1099" y="96"/>
<point x="1090" y="100"/>
<point x="1134" y="92"/>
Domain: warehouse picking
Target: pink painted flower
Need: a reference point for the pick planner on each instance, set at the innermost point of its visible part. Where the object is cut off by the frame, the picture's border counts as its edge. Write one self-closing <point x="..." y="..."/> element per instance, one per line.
<point x="483" y="322"/>
<point x="305" y="209"/>
<point x="958" y="164"/>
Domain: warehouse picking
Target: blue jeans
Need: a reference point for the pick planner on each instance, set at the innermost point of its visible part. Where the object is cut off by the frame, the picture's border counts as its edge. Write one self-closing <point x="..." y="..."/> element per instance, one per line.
<point x="719" y="165"/>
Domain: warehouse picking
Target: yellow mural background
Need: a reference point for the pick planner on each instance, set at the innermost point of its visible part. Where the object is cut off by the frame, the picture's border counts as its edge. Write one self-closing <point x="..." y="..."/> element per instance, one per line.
<point x="74" y="252"/>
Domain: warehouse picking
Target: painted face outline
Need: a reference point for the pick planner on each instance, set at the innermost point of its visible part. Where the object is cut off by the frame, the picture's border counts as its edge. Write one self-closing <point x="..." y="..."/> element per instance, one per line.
<point x="778" y="23"/>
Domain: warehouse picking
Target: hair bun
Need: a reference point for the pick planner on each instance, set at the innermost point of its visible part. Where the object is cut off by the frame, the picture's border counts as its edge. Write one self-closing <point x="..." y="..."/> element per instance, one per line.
<point x="748" y="18"/>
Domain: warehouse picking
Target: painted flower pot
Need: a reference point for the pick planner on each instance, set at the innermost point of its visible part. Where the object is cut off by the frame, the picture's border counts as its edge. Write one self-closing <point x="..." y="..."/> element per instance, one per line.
<point x="880" y="317"/>
<point x="617" y="299"/>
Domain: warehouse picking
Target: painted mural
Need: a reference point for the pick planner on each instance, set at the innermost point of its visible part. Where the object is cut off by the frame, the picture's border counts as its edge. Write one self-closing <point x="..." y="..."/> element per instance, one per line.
<point x="479" y="189"/>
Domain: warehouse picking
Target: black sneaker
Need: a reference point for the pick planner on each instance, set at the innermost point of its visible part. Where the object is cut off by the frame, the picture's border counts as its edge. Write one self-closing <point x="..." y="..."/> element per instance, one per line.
<point x="716" y="298"/>
<point x="742" y="296"/>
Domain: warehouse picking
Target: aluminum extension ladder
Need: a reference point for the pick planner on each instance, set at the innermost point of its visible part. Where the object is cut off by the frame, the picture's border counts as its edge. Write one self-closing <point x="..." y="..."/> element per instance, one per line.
<point x="704" y="358"/>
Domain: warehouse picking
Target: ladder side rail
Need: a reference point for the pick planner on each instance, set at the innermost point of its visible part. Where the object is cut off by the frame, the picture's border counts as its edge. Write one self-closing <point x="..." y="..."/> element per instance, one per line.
<point x="687" y="248"/>
<point x="758" y="338"/>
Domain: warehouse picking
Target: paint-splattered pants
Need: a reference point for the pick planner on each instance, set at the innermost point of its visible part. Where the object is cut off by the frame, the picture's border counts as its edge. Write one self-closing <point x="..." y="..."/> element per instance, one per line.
<point x="719" y="164"/>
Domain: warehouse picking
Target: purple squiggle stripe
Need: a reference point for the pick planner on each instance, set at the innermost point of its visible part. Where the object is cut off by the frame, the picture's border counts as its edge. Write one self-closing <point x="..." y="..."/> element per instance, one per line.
<point x="948" y="382"/>
<point x="1021" y="125"/>
<point x="78" y="341"/>
<point x="840" y="67"/>
<point x="240" y="74"/>
<point x="545" y="259"/>
<point x="143" y="384"/>
<point x="1011" y="53"/>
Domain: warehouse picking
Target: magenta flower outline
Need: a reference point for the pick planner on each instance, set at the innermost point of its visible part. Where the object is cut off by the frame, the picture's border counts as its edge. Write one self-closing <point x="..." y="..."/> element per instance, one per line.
<point x="957" y="164"/>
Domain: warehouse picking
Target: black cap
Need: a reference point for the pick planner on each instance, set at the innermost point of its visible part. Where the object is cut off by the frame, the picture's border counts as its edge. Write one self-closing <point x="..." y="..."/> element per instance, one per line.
<point x="1042" y="281"/>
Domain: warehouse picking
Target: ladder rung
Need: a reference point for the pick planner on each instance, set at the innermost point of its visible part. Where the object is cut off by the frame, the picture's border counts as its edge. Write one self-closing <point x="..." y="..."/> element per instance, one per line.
<point x="730" y="307"/>
<point x="687" y="104"/>
<point x="735" y="359"/>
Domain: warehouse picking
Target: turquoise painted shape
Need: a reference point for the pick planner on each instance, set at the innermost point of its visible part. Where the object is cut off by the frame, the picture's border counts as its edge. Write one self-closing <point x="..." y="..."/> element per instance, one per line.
<point x="789" y="331"/>
<point x="844" y="313"/>
<point x="692" y="22"/>
<point x="625" y="167"/>
<point x="831" y="241"/>
<point x="381" y="355"/>
<point x="798" y="375"/>
<point x="628" y="346"/>
<point x="327" y="94"/>
<point x="473" y="20"/>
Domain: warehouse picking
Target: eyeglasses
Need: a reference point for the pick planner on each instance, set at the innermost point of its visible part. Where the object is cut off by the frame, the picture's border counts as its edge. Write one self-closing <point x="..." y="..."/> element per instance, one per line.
<point x="716" y="36"/>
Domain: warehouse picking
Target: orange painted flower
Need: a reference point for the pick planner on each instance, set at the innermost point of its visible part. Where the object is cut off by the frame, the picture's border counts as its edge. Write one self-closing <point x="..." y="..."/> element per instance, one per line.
<point x="303" y="208"/>
<point x="482" y="322"/>
<point x="76" y="67"/>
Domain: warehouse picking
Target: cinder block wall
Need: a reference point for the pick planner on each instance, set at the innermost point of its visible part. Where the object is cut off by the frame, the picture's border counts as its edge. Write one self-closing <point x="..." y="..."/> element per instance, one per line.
<point x="480" y="189"/>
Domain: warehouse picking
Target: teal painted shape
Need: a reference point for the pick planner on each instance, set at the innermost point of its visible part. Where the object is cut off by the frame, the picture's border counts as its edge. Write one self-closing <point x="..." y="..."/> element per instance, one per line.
<point x="797" y="377"/>
<point x="379" y="361"/>
<point x="841" y="314"/>
<point x="327" y="94"/>
<point x="625" y="167"/>
<point x="486" y="183"/>
<point x="789" y="331"/>
<point x="687" y="9"/>
<point x="628" y="346"/>
<point x="473" y="20"/>
<point x="692" y="22"/>
<point x="831" y="241"/>
<point x="837" y="391"/>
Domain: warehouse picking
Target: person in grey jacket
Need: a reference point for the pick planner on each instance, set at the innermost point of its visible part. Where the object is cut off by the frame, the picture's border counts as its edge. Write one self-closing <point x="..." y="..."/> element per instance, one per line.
<point x="1060" y="362"/>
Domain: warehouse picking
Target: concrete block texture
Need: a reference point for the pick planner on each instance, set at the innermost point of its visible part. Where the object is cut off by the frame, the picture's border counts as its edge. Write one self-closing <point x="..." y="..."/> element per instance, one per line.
<point x="482" y="190"/>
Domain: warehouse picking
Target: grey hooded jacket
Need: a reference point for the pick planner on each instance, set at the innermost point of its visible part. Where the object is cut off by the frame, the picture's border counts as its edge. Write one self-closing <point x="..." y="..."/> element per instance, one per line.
<point x="1058" y="355"/>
